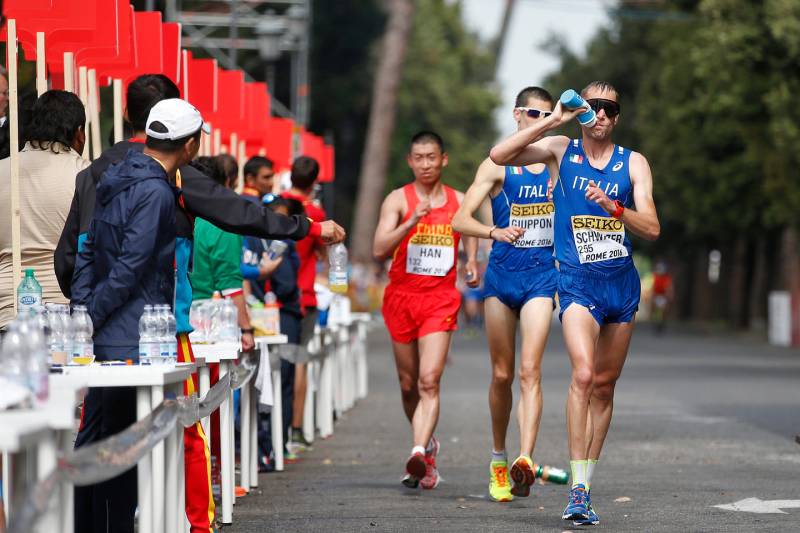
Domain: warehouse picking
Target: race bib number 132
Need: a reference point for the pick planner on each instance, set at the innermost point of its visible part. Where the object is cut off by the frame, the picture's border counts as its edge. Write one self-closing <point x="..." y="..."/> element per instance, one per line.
<point x="598" y="238"/>
<point x="430" y="254"/>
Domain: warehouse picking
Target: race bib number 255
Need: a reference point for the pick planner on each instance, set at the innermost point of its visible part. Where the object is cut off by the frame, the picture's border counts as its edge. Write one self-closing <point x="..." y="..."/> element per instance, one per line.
<point x="598" y="238"/>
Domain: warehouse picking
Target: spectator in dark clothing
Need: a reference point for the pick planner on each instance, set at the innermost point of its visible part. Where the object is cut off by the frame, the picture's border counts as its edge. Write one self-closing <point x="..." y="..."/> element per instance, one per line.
<point x="283" y="283"/>
<point x="201" y="195"/>
<point x="126" y="263"/>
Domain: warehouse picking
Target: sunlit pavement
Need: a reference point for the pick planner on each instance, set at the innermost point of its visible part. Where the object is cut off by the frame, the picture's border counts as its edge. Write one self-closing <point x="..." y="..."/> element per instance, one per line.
<point x="699" y="421"/>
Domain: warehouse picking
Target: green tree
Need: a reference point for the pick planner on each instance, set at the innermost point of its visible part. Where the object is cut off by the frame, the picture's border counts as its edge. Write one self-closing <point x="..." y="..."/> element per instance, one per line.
<point x="707" y="91"/>
<point x="447" y="88"/>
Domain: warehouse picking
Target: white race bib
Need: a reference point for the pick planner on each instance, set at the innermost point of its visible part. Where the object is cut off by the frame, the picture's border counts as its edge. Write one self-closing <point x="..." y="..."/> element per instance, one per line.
<point x="536" y="220"/>
<point x="598" y="238"/>
<point x="431" y="251"/>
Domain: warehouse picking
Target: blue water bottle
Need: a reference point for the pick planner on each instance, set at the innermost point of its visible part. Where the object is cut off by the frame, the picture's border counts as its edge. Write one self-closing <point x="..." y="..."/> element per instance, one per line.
<point x="572" y="100"/>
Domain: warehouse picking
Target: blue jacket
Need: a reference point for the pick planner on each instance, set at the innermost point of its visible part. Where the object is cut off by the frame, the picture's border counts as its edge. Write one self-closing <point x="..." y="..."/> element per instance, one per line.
<point x="128" y="257"/>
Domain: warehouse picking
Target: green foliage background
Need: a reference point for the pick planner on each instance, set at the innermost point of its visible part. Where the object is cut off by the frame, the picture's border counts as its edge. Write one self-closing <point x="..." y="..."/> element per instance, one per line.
<point x="707" y="91"/>
<point x="447" y="88"/>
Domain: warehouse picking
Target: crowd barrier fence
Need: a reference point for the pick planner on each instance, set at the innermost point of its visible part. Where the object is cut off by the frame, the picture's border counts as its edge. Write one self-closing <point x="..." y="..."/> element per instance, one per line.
<point x="39" y="480"/>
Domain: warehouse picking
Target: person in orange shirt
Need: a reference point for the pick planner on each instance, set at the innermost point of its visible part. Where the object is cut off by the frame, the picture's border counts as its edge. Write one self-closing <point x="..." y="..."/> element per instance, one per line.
<point x="663" y="295"/>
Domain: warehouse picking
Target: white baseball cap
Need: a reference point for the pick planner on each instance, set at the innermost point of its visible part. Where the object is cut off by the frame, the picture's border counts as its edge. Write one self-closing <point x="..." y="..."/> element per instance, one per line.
<point x="179" y="118"/>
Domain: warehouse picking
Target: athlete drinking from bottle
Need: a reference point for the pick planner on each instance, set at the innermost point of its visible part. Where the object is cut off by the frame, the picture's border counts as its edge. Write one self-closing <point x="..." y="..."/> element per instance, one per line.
<point x="604" y="191"/>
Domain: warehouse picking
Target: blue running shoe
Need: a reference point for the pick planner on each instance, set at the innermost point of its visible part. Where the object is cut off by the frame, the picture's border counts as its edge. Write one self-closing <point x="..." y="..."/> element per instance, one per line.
<point x="592" y="519"/>
<point x="577" y="508"/>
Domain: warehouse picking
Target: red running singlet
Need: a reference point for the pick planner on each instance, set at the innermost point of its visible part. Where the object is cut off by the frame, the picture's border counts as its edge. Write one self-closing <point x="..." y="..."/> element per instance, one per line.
<point x="425" y="259"/>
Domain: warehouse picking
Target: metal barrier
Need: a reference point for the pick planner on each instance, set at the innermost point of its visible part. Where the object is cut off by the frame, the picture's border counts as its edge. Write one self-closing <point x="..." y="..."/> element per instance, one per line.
<point x="337" y="379"/>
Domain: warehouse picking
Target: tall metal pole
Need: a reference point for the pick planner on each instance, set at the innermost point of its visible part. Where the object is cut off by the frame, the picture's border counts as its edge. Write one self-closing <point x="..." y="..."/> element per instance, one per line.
<point x="303" y="70"/>
<point x="234" y="32"/>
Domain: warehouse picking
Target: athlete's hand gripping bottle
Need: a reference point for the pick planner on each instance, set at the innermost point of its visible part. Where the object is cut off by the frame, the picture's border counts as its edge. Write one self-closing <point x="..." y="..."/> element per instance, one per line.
<point x="572" y="100"/>
<point x="337" y="273"/>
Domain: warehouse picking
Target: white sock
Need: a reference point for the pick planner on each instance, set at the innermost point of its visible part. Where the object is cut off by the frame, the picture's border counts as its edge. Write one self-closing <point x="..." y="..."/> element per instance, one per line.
<point x="578" y="472"/>
<point x="499" y="456"/>
<point x="590" y="464"/>
<point x="418" y="449"/>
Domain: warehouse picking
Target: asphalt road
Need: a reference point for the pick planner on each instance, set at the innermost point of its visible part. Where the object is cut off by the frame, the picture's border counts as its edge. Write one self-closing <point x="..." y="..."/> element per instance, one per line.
<point x="699" y="421"/>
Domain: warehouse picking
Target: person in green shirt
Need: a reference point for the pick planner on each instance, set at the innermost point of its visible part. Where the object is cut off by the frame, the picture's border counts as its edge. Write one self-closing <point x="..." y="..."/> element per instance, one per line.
<point x="217" y="253"/>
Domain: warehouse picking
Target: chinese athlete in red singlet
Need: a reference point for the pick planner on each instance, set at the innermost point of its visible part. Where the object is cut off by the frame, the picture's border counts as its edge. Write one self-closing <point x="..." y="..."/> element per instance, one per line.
<point x="421" y="303"/>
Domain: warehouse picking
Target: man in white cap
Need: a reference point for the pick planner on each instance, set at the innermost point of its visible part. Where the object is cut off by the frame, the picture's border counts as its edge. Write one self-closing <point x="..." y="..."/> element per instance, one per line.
<point x="127" y="262"/>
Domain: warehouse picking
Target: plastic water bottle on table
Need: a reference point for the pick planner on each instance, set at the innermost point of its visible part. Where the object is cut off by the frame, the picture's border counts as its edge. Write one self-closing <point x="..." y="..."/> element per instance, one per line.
<point x="29" y="292"/>
<point x="148" y="345"/>
<point x="82" y="331"/>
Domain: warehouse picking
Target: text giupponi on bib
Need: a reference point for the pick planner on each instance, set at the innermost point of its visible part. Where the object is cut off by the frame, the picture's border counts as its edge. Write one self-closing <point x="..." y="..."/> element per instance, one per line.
<point x="536" y="220"/>
<point x="431" y="250"/>
<point x="598" y="238"/>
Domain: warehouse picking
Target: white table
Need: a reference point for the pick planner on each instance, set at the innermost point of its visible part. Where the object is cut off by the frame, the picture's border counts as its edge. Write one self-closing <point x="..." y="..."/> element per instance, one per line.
<point x="160" y="473"/>
<point x="276" y="419"/>
<point x="21" y="434"/>
<point x="49" y="428"/>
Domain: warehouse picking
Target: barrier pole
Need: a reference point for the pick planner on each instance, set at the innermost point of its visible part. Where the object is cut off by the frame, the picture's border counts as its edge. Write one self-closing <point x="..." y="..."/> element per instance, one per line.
<point x="94" y="109"/>
<point x="83" y="94"/>
<point x="241" y="156"/>
<point x="117" y="110"/>
<point x="13" y="117"/>
<point x="217" y="146"/>
<point x="226" y="460"/>
<point x="41" y="64"/>
<point x="157" y="453"/>
<point x="254" y="438"/>
<point x="244" y="433"/>
<point x="144" y="469"/>
<point x="69" y="72"/>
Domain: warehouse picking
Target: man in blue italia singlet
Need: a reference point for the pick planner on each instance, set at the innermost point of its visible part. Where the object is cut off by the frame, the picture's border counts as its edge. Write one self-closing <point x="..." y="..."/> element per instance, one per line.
<point x="520" y="282"/>
<point x="603" y="191"/>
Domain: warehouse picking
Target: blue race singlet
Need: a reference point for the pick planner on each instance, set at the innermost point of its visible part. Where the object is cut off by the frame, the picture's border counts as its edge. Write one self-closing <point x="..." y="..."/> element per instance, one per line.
<point x="586" y="237"/>
<point x="523" y="203"/>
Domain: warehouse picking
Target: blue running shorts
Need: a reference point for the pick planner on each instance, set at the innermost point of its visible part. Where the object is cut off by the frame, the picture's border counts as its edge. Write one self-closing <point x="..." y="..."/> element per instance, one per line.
<point x="610" y="298"/>
<point x="516" y="287"/>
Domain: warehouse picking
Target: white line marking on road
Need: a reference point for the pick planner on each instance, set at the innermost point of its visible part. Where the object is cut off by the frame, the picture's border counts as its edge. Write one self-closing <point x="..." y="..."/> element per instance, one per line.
<point x="756" y="505"/>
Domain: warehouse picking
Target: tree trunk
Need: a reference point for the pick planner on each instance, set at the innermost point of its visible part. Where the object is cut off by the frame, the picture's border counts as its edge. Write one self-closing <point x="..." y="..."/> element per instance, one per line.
<point x="381" y="126"/>
<point x="737" y="284"/>
<point x="790" y="277"/>
<point x="758" y="288"/>
<point x="500" y="40"/>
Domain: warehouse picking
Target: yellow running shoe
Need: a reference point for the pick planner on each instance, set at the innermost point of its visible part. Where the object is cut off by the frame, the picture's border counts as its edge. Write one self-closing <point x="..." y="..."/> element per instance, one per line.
<point x="523" y="475"/>
<point x="499" y="487"/>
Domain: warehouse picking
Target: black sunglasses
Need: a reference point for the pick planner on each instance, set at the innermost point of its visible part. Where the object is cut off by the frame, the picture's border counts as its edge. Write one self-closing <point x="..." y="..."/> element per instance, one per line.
<point x="535" y="113"/>
<point x="609" y="106"/>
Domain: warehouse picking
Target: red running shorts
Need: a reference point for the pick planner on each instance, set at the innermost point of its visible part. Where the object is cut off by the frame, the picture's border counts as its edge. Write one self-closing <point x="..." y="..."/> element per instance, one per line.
<point x="411" y="315"/>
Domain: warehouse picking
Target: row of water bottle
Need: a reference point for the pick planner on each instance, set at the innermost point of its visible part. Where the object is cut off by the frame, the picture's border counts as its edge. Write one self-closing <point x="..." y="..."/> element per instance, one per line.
<point x="67" y="337"/>
<point x="214" y="320"/>
<point x="24" y="361"/>
<point x="158" y="344"/>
